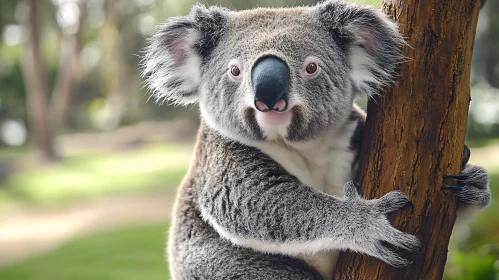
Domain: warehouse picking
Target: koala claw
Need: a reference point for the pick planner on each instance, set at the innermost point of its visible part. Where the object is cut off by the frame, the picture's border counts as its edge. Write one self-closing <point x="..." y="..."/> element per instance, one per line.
<point x="450" y="188"/>
<point x="456" y="176"/>
<point x="392" y="201"/>
<point x="380" y="238"/>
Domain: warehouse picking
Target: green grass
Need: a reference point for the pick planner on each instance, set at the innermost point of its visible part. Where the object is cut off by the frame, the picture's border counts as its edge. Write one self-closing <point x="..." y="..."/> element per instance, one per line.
<point x="375" y="3"/>
<point x="124" y="254"/>
<point x="97" y="173"/>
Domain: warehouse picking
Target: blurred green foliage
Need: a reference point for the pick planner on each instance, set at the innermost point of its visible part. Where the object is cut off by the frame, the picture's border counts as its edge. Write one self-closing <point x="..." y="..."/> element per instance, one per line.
<point x="474" y="253"/>
<point x="472" y="266"/>
<point x="485" y="227"/>
<point x="109" y="91"/>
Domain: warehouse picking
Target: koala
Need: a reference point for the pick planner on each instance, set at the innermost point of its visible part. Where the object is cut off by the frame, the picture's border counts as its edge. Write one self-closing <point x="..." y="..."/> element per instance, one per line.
<point x="269" y="193"/>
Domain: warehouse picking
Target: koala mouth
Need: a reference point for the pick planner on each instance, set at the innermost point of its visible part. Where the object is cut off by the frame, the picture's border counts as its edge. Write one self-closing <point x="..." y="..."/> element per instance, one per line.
<point x="273" y="118"/>
<point x="275" y="125"/>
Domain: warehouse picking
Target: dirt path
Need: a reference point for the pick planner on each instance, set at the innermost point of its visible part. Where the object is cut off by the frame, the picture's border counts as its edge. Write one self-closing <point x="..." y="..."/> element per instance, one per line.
<point x="32" y="231"/>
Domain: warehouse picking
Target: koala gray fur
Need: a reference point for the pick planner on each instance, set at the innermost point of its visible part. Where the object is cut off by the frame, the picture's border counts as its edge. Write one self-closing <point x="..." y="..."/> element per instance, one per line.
<point x="275" y="201"/>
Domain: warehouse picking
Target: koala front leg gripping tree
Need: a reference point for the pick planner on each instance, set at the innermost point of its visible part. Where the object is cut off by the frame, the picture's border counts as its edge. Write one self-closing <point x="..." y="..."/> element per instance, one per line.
<point x="415" y="133"/>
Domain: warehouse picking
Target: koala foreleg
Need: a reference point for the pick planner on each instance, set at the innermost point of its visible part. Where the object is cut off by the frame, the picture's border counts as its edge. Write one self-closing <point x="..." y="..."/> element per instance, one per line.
<point x="260" y="206"/>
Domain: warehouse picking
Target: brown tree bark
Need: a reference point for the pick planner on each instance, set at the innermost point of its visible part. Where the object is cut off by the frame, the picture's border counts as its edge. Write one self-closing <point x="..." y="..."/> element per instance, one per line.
<point x="415" y="133"/>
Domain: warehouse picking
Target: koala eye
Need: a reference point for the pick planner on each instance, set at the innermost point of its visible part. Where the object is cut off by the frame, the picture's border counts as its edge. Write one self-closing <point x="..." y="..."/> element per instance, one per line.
<point x="234" y="70"/>
<point x="311" y="68"/>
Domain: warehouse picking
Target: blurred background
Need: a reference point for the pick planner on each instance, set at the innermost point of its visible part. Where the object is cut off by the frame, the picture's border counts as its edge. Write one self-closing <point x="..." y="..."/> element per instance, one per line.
<point x="89" y="165"/>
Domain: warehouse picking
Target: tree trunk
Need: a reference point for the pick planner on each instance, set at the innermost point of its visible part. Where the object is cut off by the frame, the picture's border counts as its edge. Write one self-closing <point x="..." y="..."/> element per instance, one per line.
<point x="69" y="63"/>
<point x="415" y="133"/>
<point x="35" y="82"/>
<point x="46" y="117"/>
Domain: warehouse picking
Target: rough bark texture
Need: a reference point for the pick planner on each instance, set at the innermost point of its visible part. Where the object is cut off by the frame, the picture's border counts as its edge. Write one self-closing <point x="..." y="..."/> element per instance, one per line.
<point x="415" y="133"/>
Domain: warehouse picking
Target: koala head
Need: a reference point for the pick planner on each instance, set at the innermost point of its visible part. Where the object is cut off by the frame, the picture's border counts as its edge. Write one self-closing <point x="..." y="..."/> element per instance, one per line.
<point x="286" y="74"/>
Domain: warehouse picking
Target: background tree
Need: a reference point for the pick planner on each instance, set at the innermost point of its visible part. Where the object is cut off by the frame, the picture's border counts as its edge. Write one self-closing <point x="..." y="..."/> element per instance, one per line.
<point x="415" y="133"/>
<point x="47" y="112"/>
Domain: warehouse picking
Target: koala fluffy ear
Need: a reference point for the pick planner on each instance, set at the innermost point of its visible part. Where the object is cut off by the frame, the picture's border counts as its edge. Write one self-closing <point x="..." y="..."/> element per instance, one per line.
<point x="172" y="62"/>
<point x="372" y="42"/>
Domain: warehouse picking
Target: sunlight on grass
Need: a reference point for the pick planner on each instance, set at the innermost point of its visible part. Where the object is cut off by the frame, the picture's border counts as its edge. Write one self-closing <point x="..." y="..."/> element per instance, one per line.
<point x="153" y="166"/>
<point x="123" y="254"/>
<point x="375" y="3"/>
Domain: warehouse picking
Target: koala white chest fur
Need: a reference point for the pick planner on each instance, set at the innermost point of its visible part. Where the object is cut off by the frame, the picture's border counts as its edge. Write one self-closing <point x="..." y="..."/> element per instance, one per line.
<point x="324" y="164"/>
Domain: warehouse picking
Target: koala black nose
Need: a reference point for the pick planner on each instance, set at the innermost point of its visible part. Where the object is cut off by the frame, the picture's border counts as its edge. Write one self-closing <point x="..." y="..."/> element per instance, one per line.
<point x="270" y="78"/>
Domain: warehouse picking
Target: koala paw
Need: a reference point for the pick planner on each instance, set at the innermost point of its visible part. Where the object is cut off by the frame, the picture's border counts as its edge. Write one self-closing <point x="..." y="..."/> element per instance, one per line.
<point x="377" y="237"/>
<point x="472" y="184"/>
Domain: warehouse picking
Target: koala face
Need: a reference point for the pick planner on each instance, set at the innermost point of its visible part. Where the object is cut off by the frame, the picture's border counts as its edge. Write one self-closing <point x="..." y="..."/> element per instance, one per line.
<point x="289" y="74"/>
